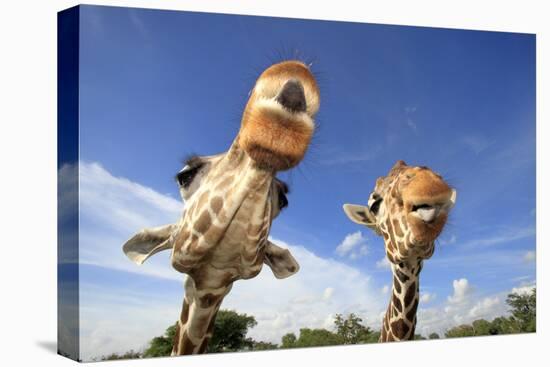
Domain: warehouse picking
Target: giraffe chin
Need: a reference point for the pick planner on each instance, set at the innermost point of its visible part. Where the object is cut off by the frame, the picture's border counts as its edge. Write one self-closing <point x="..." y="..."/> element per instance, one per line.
<point x="274" y="137"/>
<point x="424" y="233"/>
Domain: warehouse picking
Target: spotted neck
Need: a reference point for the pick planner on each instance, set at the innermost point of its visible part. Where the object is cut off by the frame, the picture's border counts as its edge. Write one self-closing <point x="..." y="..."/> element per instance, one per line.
<point x="221" y="239"/>
<point x="196" y="323"/>
<point x="400" y="319"/>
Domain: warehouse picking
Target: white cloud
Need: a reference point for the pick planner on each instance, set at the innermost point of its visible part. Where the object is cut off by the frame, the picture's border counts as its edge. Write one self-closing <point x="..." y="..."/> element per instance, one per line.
<point x="484" y="307"/>
<point x="523" y="290"/>
<point x="112" y="209"/>
<point x="426" y="297"/>
<point x="383" y="263"/>
<point x="462" y="290"/>
<point x="530" y="256"/>
<point x="463" y="307"/>
<point x="385" y="289"/>
<point x="116" y="320"/>
<point x="304" y="300"/>
<point x="353" y="246"/>
<point x="327" y="293"/>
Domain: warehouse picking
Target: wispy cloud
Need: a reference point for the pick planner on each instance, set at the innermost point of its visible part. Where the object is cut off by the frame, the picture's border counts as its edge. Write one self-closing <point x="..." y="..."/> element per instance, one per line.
<point x="530" y="256"/>
<point x="476" y="143"/>
<point x="383" y="263"/>
<point x="426" y="297"/>
<point x="409" y="112"/>
<point x="139" y="24"/>
<point x="350" y="158"/>
<point x="448" y="241"/>
<point x="506" y="236"/>
<point x="353" y="246"/>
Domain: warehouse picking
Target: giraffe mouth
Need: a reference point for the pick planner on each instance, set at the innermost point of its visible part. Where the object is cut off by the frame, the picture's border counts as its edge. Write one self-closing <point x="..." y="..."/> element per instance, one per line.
<point x="428" y="213"/>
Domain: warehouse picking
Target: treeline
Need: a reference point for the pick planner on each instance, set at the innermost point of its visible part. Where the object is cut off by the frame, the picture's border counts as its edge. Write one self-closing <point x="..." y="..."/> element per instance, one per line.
<point x="231" y="329"/>
<point x="523" y="319"/>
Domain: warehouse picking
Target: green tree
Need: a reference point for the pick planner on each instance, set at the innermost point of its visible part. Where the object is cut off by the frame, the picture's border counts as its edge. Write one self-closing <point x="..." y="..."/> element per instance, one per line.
<point x="288" y="341"/>
<point x="263" y="346"/>
<point x="161" y="346"/>
<point x="433" y="336"/>
<point x="504" y="325"/>
<point x="351" y="330"/>
<point x="373" y="337"/>
<point x="229" y="335"/>
<point x="131" y="354"/>
<point x="317" y="338"/>
<point x="460" y="331"/>
<point x="484" y="327"/>
<point x="230" y="329"/>
<point x="524" y="310"/>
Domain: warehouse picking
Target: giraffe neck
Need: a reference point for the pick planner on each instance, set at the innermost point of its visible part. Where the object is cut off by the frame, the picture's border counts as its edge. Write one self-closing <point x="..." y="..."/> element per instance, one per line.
<point x="400" y="319"/>
<point x="196" y="323"/>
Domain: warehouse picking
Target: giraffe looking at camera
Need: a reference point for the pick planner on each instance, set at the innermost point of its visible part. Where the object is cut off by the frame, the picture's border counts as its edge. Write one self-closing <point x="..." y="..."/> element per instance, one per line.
<point x="231" y="200"/>
<point x="408" y="208"/>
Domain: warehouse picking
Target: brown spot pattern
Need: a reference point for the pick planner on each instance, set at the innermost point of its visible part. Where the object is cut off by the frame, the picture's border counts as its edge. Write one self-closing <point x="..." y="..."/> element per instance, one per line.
<point x="396" y="285"/>
<point x="216" y="204"/>
<point x="397" y="303"/>
<point x="402" y="277"/>
<point x="203" y="222"/>
<point x="400" y="328"/>
<point x="411" y="291"/>
<point x="412" y="312"/>
<point x="209" y="300"/>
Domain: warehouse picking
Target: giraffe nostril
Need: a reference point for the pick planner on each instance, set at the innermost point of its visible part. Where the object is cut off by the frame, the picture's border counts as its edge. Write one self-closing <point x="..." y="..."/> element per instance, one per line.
<point x="292" y="96"/>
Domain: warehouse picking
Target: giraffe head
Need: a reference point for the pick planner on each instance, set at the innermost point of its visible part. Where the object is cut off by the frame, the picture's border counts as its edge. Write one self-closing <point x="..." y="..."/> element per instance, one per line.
<point x="231" y="198"/>
<point x="409" y="208"/>
<point x="277" y="123"/>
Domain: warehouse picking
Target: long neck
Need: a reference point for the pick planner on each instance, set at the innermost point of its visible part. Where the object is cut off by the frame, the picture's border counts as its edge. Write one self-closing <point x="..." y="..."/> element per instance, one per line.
<point x="400" y="319"/>
<point x="196" y="323"/>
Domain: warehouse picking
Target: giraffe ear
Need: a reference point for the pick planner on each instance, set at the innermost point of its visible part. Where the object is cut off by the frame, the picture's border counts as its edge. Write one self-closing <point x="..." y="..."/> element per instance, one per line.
<point x="361" y="215"/>
<point x="148" y="242"/>
<point x="280" y="260"/>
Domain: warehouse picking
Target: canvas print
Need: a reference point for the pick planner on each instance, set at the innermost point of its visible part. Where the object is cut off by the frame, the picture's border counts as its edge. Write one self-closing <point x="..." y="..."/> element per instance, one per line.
<point x="232" y="183"/>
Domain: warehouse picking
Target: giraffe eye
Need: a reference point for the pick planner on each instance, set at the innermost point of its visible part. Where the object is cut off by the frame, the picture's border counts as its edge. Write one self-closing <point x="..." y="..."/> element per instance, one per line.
<point x="187" y="174"/>
<point x="283" y="201"/>
<point x="374" y="203"/>
<point x="375" y="207"/>
<point x="282" y="190"/>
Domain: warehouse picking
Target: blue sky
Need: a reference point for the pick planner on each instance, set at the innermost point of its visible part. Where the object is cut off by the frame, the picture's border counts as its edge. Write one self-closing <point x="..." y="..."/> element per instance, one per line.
<point x="156" y="86"/>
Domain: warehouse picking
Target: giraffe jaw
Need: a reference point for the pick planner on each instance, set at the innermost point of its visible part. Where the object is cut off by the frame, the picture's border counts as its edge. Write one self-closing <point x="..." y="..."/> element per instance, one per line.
<point x="274" y="136"/>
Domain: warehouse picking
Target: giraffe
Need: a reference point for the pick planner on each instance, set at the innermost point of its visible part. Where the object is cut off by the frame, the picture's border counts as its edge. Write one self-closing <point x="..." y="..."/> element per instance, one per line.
<point x="231" y="199"/>
<point x="408" y="208"/>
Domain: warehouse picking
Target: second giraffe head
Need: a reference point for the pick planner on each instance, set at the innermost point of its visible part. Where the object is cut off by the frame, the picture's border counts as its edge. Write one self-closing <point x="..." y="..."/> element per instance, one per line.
<point x="409" y="208"/>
